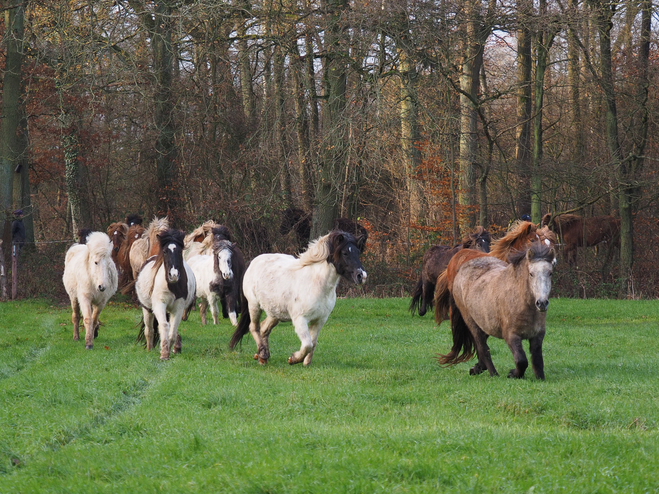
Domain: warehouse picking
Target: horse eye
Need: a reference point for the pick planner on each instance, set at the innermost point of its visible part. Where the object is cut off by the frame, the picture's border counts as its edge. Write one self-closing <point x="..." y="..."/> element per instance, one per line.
<point x="96" y="262"/>
<point x="531" y="274"/>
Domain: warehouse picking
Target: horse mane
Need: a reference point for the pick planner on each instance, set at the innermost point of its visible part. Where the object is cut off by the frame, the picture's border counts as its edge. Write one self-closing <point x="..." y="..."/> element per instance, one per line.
<point x="321" y="249"/>
<point x="99" y="244"/>
<point x="539" y="252"/>
<point x="518" y="231"/>
<point x="220" y="244"/>
<point x="204" y="230"/>
<point x="157" y="226"/>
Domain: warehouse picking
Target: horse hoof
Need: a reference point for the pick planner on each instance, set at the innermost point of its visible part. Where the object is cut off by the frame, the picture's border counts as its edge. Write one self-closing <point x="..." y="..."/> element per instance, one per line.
<point x="513" y="375"/>
<point x="89" y="347"/>
<point x="262" y="361"/>
<point x="256" y="356"/>
<point x="164" y="358"/>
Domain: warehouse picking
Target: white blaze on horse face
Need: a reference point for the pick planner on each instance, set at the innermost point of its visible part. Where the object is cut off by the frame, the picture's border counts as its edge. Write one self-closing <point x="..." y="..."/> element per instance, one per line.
<point x="540" y="283"/>
<point x="172" y="247"/>
<point x="224" y="258"/>
<point x="173" y="272"/>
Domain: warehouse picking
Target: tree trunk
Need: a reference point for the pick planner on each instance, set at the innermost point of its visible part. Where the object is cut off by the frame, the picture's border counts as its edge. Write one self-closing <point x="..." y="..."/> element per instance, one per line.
<point x="524" y="101"/>
<point x="10" y="143"/>
<point x="333" y="158"/>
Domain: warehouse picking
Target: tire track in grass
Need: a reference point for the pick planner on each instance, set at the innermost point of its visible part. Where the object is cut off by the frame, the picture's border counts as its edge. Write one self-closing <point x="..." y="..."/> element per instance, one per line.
<point x="129" y="398"/>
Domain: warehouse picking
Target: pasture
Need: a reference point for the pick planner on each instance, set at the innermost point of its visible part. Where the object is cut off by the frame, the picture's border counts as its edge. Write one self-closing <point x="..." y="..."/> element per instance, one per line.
<point x="373" y="413"/>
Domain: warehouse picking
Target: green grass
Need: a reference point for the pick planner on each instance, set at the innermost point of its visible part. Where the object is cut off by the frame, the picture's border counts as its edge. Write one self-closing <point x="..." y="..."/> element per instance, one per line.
<point x="374" y="412"/>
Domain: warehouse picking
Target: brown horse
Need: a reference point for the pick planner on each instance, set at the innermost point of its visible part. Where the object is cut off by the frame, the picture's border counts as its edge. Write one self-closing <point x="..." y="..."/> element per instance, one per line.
<point x="142" y="248"/>
<point x="117" y="233"/>
<point x="134" y="233"/>
<point x="577" y="231"/>
<point x="520" y="235"/>
<point x="490" y="297"/>
<point x="435" y="261"/>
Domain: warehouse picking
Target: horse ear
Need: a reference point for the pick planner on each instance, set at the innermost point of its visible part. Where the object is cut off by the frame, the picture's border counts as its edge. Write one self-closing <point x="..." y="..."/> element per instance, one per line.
<point x="530" y="254"/>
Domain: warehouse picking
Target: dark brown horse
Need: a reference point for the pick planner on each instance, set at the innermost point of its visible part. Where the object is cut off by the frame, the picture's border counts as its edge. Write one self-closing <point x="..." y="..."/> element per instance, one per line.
<point x="435" y="261"/>
<point x="295" y="219"/>
<point x="577" y="231"/>
<point x="490" y="297"/>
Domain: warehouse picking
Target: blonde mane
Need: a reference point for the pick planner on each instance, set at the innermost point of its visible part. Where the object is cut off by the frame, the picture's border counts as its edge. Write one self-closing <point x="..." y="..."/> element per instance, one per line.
<point x="99" y="245"/>
<point x="318" y="251"/>
<point x="206" y="230"/>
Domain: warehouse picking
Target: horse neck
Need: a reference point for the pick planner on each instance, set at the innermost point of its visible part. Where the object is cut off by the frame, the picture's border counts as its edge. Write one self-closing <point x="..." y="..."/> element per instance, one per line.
<point x="325" y="274"/>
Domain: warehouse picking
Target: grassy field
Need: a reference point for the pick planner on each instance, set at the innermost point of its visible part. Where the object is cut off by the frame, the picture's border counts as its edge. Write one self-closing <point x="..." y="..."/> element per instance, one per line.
<point x="374" y="412"/>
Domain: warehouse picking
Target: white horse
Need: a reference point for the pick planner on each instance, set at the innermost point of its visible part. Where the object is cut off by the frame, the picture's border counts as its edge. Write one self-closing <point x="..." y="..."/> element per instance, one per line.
<point x="301" y="290"/>
<point x="90" y="279"/>
<point x="165" y="287"/>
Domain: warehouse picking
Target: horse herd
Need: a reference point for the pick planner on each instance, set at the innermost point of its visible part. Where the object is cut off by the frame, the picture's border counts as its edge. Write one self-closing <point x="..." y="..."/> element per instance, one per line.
<point x="485" y="288"/>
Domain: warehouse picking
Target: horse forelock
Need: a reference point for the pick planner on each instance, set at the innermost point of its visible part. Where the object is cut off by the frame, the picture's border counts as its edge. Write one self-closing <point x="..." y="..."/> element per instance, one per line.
<point x="99" y="245"/>
<point x="221" y="232"/>
<point x="539" y="252"/>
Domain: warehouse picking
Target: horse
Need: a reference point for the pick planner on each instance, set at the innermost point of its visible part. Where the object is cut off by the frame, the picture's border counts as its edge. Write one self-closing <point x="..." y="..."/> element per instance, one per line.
<point x="165" y="288"/>
<point x="219" y="277"/>
<point x="520" y="235"/>
<point x="506" y="300"/>
<point x="147" y="245"/>
<point x="117" y="233"/>
<point x="134" y="233"/>
<point x="133" y="219"/>
<point x="83" y="233"/>
<point x="200" y="241"/>
<point x="90" y="280"/>
<point x="297" y="220"/>
<point x="435" y="261"/>
<point x="577" y="231"/>
<point x="298" y="289"/>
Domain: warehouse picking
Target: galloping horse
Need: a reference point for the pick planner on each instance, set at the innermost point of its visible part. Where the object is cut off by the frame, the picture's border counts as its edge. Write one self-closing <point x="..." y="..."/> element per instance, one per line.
<point x="90" y="279"/>
<point x="508" y="301"/>
<point x="133" y="234"/>
<point x="200" y="241"/>
<point x="576" y="231"/>
<point x="435" y="261"/>
<point x="219" y="277"/>
<point x="165" y="287"/>
<point x="519" y="237"/>
<point x="301" y="290"/>
<point x="147" y="245"/>
<point x="117" y="233"/>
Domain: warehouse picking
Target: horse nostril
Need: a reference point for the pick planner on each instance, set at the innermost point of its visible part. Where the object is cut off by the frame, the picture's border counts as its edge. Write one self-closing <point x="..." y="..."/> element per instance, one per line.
<point x="542" y="304"/>
<point x="101" y="288"/>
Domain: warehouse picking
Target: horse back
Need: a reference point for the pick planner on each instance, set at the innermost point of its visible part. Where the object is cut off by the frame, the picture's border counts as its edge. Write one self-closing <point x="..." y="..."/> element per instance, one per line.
<point x="435" y="261"/>
<point x="458" y="260"/>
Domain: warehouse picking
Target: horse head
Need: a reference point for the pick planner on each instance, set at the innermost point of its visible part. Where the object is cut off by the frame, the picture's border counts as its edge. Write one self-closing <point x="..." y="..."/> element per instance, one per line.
<point x="539" y="260"/>
<point x="133" y="219"/>
<point x="222" y="254"/>
<point x="171" y="248"/>
<point x="100" y="263"/>
<point x="479" y="239"/>
<point x="344" y="256"/>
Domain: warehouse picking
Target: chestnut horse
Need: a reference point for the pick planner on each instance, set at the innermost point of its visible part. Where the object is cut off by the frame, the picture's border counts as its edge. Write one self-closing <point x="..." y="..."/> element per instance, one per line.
<point x="577" y="231"/>
<point x="490" y="297"/>
<point x="117" y="233"/>
<point x="435" y="261"/>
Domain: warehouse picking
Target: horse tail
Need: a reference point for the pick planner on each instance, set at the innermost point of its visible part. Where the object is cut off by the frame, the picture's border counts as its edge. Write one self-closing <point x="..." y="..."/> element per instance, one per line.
<point x="417" y="293"/>
<point x="463" y="340"/>
<point x="128" y="287"/>
<point x="443" y="299"/>
<point x="141" y="337"/>
<point x="243" y="323"/>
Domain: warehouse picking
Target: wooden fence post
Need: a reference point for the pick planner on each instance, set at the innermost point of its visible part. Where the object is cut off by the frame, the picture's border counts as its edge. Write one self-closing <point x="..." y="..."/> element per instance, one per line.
<point x="3" y="275"/>
<point x="14" y="270"/>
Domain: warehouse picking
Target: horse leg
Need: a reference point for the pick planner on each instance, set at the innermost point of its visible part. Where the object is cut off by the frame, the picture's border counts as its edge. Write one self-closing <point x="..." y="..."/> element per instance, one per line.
<point x="148" y="328"/>
<point x="482" y="350"/>
<point x="86" y="308"/>
<point x="174" y="336"/>
<point x="302" y="330"/>
<point x="203" y="306"/>
<point x="537" y="362"/>
<point x="267" y="326"/>
<point x="96" y="312"/>
<point x="262" y="353"/>
<point x="223" y="301"/>
<point x="427" y="296"/>
<point x="521" y="362"/>
<point x="212" y="303"/>
<point x="75" y="318"/>
<point x="232" y="306"/>
<point x="314" y="331"/>
<point x="160" y="313"/>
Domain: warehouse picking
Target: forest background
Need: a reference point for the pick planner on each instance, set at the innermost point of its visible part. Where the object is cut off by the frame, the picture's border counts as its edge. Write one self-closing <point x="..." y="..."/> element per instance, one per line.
<point x="419" y="119"/>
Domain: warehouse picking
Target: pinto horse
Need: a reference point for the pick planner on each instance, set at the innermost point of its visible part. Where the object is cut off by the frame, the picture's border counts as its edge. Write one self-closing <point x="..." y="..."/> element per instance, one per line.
<point x="90" y="279"/>
<point x="219" y="278"/>
<point x="435" y="261"/>
<point x="577" y="231"/>
<point x="165" y="287"/>
<point x="490" y="297"/>
<point x="298" y="289"/>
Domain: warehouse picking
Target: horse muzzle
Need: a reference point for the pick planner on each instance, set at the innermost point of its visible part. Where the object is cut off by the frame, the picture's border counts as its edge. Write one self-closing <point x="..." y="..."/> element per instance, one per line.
<point x="360" y="277"/>
<point x="101" y="288"/>
<point x="227" y="276"/>
<point x="542" y="305"/>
